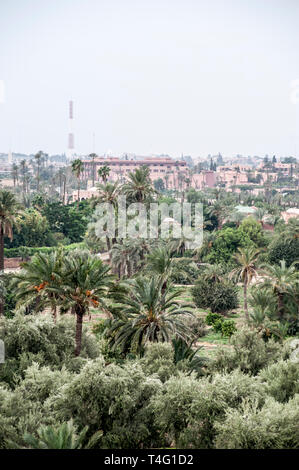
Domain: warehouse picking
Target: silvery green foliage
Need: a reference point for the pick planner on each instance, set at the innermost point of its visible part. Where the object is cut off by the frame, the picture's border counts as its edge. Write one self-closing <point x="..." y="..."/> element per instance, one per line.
<point x="158" y="359"/>
<point x="36" y="338"/>
<point x="274" y="426"/>
<point x="250" y="353"/>
<point x="113" y="399"/>
<point x="24" y="409"/>
<point x="281" y="379"/>
<point x="187" y="408"/>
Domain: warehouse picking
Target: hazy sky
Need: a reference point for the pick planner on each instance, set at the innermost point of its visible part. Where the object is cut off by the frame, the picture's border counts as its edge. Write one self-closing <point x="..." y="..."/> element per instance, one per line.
<point x="150" y="76"/>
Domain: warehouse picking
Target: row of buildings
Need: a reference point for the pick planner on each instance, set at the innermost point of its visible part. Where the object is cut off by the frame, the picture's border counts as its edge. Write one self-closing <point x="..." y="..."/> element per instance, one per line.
<point x="176" y="174"/>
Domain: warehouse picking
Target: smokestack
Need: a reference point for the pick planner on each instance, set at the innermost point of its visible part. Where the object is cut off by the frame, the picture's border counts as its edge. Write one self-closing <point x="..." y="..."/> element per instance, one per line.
<point x="71" y="140"/>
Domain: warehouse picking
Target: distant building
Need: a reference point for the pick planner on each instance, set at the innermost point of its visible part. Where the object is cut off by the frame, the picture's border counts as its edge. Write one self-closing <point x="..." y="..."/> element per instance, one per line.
<point x="172" y="172"/>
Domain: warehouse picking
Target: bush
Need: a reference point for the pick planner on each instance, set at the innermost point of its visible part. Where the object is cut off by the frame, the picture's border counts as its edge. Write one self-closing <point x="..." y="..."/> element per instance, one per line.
<point x="228" y="328"/>
<point x="219" y="297"/>
<point x="159" y="359"/>
<point x="187" y="409"/>
<point x="114" y="400"/>
<point x="30" y="251"/>
<point x="36" y="338"/>
<point x="280" y="249"/>
<point x="275" y="426"/>
<point x="282" y="380"/>
<point x="212" y="318"/>
<point x="250" y="353"/>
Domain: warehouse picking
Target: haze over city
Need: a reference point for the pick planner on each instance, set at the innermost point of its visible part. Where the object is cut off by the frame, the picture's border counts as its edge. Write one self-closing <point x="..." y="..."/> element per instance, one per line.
<point x="155" y="77"/>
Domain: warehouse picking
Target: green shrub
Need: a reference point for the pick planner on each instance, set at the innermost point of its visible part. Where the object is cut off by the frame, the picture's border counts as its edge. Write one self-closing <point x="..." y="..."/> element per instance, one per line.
<point x="219" y="297"/>
<point x="228" y="328"/>
<point x="113" y="399"/>
<point x="211" y="318"/>
<point x="36" y="338"/>
<point x="187" y="409"/>
<point x="159" y="359"/>
<point x="250" y="353"/>
<point x="281" y="249"/>
<point x="282" y="380"/>
<point x="274" y="426"/>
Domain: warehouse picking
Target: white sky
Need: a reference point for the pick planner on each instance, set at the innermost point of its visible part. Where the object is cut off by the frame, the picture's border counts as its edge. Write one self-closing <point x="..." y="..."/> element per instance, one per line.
<point x="150" y="76"/>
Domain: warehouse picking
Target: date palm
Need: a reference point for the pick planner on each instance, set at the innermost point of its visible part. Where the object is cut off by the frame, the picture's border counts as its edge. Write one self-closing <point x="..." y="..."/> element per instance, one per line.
<point x="15" y="174"/>
<point x="38" y="158"/>
<point x="104" y="173"/>
<point x="146" y="314"/>
<point x="93" y="156"/>
<point x="161" y="263"/>
<point x="108" y="192"/>
<point x="77" y="168"/>
<point x="246" y="270"/>
<point x="85" y="284"/>
<point x="139" y="187"/>
<point x="125" y="257"/>
<point x="40" y="278"/>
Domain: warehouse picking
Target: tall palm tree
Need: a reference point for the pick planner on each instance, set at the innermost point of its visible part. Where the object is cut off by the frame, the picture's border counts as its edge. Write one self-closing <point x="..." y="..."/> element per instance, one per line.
<point x="85" y="283"/>
<point x="15" y="174"/>
<point x="281" y="280"/>
<point x="93" y="156"/>
<point x="145" y="314"/>
<point x="139" y="187"/>
<point x="77" y="168"/>
<point x="38" y="158"/>
<point x="9" y="209"/>
<point x="24" y="171"/>
<point x="246" y="270"/>
<point x="104" y="173"/>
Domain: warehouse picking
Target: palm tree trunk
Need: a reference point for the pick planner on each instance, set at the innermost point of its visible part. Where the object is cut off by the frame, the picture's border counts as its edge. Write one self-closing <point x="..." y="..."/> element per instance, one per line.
<point x="79" y="322"/>
<point x="1" y="264"/>
<point x="245" y="301"/>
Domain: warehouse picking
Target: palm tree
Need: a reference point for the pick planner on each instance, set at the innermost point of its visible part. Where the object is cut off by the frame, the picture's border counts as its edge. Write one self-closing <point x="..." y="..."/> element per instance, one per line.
<point x="9" y="209"/>
<point x="281" y="280"/>
<point x="145" y="314"/>
<point x="77" y="168"/>
<point x="85" y="283"/>
<point x="291" y="230"/>
<point x="213" y="273"/>
<point x="220" y="210"/>
<point x="24" y="171"/>
<point x="104" y="172"/>
<point x="63" y="437"/>
<point x="108" y="192"/>
<point x="139" y="187"/>
<point x="124" y="257"/>
<point x="40" y="277"/>
<point x="15" y="174"/>
<point x="161" y="263"/>
<point x="38" y="157"/>
<point x="93" y="156"/>
<point x="247" y="260"/>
